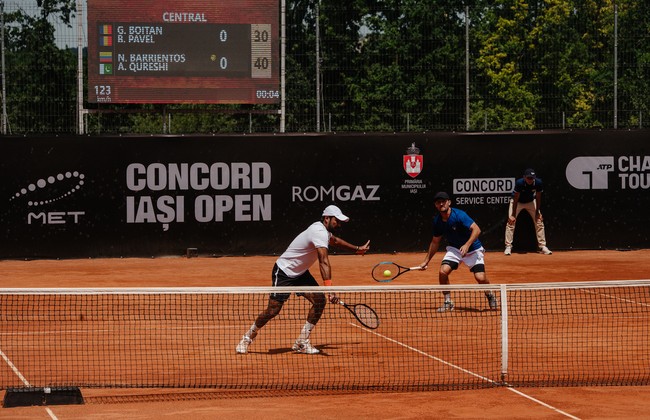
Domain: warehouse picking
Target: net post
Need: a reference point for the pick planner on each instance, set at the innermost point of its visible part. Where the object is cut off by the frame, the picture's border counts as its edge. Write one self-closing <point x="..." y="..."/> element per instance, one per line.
<point x="504" y="332"/>
<point x="25" y="397"/>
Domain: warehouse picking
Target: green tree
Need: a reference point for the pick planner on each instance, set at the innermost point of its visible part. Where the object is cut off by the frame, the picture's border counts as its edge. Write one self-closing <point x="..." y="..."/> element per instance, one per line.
<point x="590" y="90"/>
<point x="634" y="62"/>
<point x="408" y="63"/>
<point x="541" y="59"/>
<point x="41" y="83"/>
<point x="300" y="65"/>
<point x="508" y="99"/>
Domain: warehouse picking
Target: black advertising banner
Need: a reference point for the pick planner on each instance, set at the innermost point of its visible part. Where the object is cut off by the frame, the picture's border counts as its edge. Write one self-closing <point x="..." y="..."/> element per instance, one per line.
<point x="237" y="195"/>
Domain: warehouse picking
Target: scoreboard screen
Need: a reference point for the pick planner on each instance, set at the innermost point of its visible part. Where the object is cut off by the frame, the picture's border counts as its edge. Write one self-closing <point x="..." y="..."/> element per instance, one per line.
<point x="183" y="51"/>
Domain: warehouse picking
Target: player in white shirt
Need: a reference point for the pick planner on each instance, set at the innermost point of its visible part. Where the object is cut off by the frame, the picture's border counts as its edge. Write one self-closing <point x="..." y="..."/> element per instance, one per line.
<point x="292" y="269"/>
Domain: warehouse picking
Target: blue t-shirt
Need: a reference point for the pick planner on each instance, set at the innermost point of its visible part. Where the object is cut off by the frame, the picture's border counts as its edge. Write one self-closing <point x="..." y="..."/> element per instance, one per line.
<point x="527" y="192"/>
<point x="455" y="229"/>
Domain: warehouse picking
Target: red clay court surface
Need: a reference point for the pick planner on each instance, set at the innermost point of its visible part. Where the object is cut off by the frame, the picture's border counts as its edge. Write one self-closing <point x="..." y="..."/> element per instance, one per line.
<point x="348" y="270"/>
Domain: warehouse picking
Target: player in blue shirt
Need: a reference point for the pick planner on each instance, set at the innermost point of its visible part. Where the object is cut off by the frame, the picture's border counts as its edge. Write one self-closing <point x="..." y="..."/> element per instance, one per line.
<point x="527" y="196"/>
<point x="463" y="245"/>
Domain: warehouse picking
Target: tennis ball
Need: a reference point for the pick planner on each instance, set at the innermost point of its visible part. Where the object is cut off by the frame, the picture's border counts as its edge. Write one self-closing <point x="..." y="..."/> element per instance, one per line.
<point x="387" y="273"/>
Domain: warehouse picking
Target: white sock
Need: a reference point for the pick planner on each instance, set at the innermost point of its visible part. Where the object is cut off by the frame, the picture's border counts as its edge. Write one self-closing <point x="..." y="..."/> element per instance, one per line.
<point x="252" y="332"/>
<point x="306" y="331"/>
<point x="447" y="296"/>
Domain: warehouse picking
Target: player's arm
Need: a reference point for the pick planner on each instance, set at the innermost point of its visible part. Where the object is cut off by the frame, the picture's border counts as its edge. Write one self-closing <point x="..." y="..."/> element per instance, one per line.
<point x="538" y="205"/>
<point x="340" y="243"/>
<point x="512" y="218"/>
<point x="324" y="265"/>
<point x="475" y="231"/>
<point x="433" y="248"/>
<point x="326" y="271"/>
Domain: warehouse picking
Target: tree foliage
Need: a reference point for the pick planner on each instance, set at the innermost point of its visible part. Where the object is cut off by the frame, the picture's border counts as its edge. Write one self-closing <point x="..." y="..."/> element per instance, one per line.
<point x="41" y="78"/>
<point x="388" y="65"/>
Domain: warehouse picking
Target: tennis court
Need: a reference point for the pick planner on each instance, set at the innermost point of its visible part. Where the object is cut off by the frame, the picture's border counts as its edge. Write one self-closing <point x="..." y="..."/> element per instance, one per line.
<point x="339" y="339"/>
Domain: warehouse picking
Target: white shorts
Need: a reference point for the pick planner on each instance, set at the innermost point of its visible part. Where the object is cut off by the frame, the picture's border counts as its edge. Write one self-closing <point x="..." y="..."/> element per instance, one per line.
<point x="471" y="259"/>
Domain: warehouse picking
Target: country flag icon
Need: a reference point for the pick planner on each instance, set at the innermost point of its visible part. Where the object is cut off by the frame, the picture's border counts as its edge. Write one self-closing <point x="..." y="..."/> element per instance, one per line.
<point x="105" y="69"/>
<point x="106" y="41"/>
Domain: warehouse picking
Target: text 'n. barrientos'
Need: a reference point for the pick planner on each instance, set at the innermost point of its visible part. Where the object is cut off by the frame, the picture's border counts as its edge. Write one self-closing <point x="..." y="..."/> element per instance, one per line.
<point x="231" y="191"/>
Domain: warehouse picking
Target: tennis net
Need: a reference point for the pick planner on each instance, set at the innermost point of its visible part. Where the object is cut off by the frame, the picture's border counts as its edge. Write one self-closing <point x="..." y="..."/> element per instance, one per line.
<point x="556" y="334"/>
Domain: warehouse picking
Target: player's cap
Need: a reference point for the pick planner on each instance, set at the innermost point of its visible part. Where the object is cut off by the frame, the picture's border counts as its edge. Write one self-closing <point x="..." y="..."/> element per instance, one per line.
<point x="336" y="212"/>
<point x="529" y="173"/>
<point x="441" y="195"/>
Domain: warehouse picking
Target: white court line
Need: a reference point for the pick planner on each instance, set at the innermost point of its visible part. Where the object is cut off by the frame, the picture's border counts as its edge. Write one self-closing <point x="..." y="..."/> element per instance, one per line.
<point x="483" y="378"/>
<point x="23" y="380"/>
<point x="51" y="413"/>
<point x="14" y="369"/>
<point x="616" y="298"/>
<point x="112" y="330"/>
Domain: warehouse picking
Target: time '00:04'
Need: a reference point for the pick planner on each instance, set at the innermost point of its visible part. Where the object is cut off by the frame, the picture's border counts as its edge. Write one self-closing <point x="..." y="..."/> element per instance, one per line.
<point x="263" y="94"/>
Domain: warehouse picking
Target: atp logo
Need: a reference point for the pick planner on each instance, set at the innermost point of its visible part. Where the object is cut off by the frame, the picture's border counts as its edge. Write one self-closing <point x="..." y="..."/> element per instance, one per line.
<point x="590" y="172"/>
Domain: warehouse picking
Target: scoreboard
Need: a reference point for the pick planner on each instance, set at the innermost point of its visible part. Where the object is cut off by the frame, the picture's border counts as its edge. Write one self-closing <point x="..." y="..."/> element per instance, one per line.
<point x="197" y="51"/>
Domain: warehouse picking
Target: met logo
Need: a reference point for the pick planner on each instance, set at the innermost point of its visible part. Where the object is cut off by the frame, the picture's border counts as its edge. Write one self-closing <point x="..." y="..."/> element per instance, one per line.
<point x="590" y="172"/>
<point x="48" y="191"/>
<point x="55" y="217"/>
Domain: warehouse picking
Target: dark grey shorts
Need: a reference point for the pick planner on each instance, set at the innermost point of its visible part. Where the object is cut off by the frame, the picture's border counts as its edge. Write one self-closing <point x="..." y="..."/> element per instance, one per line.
<point x="280" y="279"/>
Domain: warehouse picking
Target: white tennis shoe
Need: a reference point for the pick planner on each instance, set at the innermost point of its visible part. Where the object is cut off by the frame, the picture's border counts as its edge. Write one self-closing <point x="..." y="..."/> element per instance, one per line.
<point x="544" y="250"/>
<point x="492" y="300"/>
<point x="242" y="347"/>
<point x="304" y="346"/>
<point x="508" y="251"/>
<point x="447" y="306"/>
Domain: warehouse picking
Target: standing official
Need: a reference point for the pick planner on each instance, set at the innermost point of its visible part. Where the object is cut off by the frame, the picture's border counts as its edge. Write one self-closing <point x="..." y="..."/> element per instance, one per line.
<point x="527" y="196"/>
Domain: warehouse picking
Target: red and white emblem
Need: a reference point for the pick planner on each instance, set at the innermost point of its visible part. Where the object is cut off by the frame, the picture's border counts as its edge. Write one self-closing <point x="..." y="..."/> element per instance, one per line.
<point x="413" y="161"/>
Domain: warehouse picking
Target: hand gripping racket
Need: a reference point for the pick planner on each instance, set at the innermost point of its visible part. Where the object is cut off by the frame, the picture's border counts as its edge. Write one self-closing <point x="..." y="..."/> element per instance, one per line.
<point x="389" y="271"/>
<point x="363" y="313"/>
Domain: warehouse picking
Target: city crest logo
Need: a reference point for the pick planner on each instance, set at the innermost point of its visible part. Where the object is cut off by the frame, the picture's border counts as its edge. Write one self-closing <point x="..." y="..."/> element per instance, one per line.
<point x="413" y="161"/>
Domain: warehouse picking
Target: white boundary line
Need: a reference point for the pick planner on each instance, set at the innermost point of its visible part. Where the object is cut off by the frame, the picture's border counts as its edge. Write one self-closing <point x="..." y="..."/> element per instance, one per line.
<point x="51" y="413"/>
<point x="336" y="289"/>
<point x="24" y="380"/>
<point x="616" y="298"/>
<point x="15" y="369"/>
<point x="483" y="378"/>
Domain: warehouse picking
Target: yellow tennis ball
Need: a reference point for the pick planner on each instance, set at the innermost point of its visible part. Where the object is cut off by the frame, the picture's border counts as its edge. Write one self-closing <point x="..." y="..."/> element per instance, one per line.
<point x="387" y="273"/>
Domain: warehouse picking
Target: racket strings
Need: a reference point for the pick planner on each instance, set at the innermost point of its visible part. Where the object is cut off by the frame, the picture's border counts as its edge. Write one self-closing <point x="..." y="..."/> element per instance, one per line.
<point x="385" y="271"/>
<point x="366" y="316"/>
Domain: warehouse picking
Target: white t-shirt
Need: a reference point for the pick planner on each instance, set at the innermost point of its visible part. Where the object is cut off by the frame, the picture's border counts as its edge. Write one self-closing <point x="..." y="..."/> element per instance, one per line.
<point x="301" y="253"/>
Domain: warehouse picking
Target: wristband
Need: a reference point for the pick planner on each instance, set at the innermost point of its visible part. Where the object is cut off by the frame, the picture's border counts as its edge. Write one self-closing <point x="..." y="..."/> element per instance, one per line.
<point x="327" y="282"/>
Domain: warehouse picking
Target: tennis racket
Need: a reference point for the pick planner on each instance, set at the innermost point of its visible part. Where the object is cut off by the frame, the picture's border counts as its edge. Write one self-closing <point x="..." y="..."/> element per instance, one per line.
<point x="363" y="313"/>
<point x="389" y="271"/>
